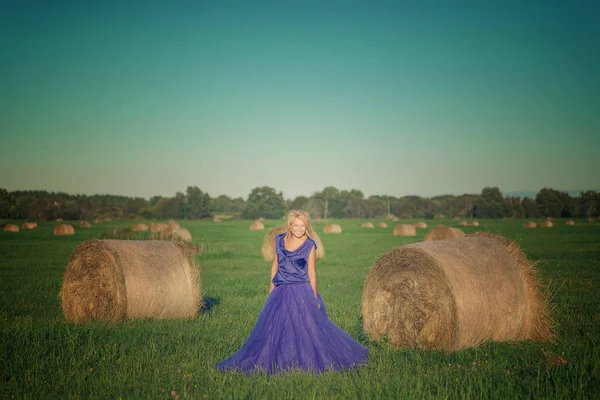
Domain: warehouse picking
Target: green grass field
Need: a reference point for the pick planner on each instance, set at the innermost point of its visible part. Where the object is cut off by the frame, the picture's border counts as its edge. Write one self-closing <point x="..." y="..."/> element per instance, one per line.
<point x="42" y="356"/>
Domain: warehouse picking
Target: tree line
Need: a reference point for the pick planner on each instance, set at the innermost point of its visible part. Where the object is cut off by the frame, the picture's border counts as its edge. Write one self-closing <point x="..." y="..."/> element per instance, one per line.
<point x="266" y="202"/>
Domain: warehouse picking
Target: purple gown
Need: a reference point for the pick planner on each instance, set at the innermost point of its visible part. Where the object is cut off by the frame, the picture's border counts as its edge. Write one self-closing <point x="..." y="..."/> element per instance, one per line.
<point x="292" y="332"/>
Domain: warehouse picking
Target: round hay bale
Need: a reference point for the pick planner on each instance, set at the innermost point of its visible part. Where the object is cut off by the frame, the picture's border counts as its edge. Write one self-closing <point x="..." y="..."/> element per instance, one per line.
<point x="217" y="219"/>
<point x="367" y="225"/>
<point x="382" y="225"/>
<point x="173" y="224"/>
<point x="454" y="294"/>
<point x="29" y="225"/>
<point x="158" y="228"/>
<point x="63" y="230"/>
<point x="546" y="224"/>
<point x="139" y="228"/>
<point x="59" y="220"/>
<point x="443" y="232"/>
<point x="392" y="217"/>
<point x="182" y="234"/>
<point x="474" y="223"/>
<point x="529" y="224"/>
<point x="84" y="224"/>
<point x="98" y="221"/>
<point x="332" y="228"/>
<point x="463" y="223"/>
<point x="113" y="280"/>
<point x="257" y="226"/>
<point x="570" y="223"/>
<point x="405" y="230"/>
<point x="268" y="247"/>
<point x="11" y="228"/>
<point x="420" y="225"/>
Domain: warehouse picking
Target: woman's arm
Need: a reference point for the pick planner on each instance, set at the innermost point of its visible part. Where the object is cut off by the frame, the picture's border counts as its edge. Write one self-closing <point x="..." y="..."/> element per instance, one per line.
<point x="273" y="272"/>
<point x="312" y="270"/>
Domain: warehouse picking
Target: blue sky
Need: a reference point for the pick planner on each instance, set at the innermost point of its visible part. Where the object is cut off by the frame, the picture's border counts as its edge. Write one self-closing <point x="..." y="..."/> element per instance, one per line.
<point x="147" y="98"/>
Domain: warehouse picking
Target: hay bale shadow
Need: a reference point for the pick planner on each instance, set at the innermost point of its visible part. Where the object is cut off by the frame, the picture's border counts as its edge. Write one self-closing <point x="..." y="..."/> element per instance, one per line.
<point x="207" y="304"/>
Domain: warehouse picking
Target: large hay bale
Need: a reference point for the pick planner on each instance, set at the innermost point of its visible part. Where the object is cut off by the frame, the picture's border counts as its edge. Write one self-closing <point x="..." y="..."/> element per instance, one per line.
<point x="463" y="223"/>
<point x="11" y="228"/>
<point x="453" y="294"/>
<point x="268" y="247"/>
<point x="182" y="234"/>
<point x="113" y="280"/>
<point x="474" y="223"/>
<point x="546" y="224"/>
<point x="158" y="228"/>
<point x="529" y="224"/>
<point x="29" y="225"/>
<point x="332" y="228"/>
<point x="405" y="230"/>
<point x="257" y="226"/>
<point x="84" y="224"/>
<point x="570" y="223"/>
<point x="443" y="232"/>
<point x="367" y="225"/>
<point x="420" y="225"/>
<point x="173" y="224"/>
<point x="139" y="228"/>
<point x="381" y="225"/>
<point x="63" y="230"/>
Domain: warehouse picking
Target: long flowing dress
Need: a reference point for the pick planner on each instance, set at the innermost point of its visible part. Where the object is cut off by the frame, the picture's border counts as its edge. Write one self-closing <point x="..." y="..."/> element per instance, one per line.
<point x="292" y="331"/>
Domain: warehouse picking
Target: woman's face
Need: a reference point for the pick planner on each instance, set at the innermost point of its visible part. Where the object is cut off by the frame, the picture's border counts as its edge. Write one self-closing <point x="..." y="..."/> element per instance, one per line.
<point x="298" y="228"/>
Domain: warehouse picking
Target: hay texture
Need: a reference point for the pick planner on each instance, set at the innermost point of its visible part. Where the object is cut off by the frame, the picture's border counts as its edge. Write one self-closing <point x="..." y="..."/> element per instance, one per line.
<point x="332" y="228"/>
<point x="257" y="226"/>
<point x="422" y="225"/>
<point x="453" y="294"/>
<point x="11" y="228"/>
<point x="529" y="224"/>
<point x="114" y="280"/>
<point x="405" y="230"/>
<point x="182" y="234"/>
<point x="546" y="224"/>
<point x="63" y="230"/>
<point x="382" y="225"/>
<point x="443" y="232"/>
<point x="463" y="223"/>
<point x="29" y="225"/>
<point x="268" y="247"/>
<point x="139" y="228"/>
<point x="570" y="223"/>
<point x="84" y="224"/>
<point x="367" y="225"/>
<point x="474" y="223"/>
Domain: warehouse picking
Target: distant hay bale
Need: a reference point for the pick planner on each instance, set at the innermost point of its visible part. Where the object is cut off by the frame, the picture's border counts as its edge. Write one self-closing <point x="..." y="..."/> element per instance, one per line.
<point x="590" y="219"/>
<point x="11" y="228"/>
<point x="139" y="228"/>
<point x="453" y="294"/>
<point x="268" y="247"/>
<point x="257" y="226"/>
<point x="84" y="224"/>
<point x="474" y="223"/>
<point x="392" y="217"/>
<point x="59" y="220"/>
<point x="182" y="234"/>
<point x="98" y="221"/>
<point x="529" y="224"/>
<point x="546" y="224"/>
<point x="420" y="225"/>
<point x="405" y="230"/>
<point x="63" y="230"/>
<point x="332" y="228"/>
<point x="382" y="224"/>
<point x="217" y="219"/>
<point x="367" y="225"/>
<point x="29" y="225"/>
<point x="173" y="224"/>
<point x="443" y="232"/>
<point x="570" y="222"/>
<point x="463" y="223"/>
<point x="158" y="228"/>
<point x="114" y="280"/>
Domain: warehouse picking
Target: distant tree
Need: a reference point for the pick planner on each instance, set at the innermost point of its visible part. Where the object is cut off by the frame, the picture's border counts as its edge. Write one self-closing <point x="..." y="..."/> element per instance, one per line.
<point x="530" y="208"/>
<point x="493" y="204"/>
<point x="329" y="197"/>
<point x="196" y="204"/>
<point x="6" y="203"/>
<point x="134" y="206"/>
<point x="588" y="203"/>
<point x="549" y="203"/>
<point x="375" y="207"/>
<point x="173" y="207"/>
<point x="298" y="203"/>
<point x="264" y="202"/>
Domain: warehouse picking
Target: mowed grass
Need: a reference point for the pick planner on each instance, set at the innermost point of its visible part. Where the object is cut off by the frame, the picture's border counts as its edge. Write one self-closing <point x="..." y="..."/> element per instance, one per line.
<point x="42" y="356"/>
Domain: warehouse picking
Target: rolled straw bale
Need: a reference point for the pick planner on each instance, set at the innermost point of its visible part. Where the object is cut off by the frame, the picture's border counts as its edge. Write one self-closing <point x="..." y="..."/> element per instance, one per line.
<point x="98" y="221"/>
<point x="182" y="234"/>
<point x="420" y="225"/>
<point x="443" y="232"/>
<point x="332" y="228"/>
<point x="405" y="230"/>
<point x="570" y="222"/>
<point x="29" y="225"/>
<point x="11" y="228"/>
<point x="546" y="224"/>
<point x="529" y="224"/>
<point x="383" y="224"/>
<point x="63" y="230"/>
<point x="257" y="226"/>
<point x="268" y="247"/>
<point x="392" y="217"/>
<point x="113" y="280"/>
<point x="59" y="220"/>
<point x="463" y="223"/>
<point x="84" y="224"/>
<point x="158" y="228"/>
<point x="139" y="228"/>
<point x="173" y="224"/>
<point x="453" y="294"/>
<point x="367" y="225"/>
<point x="474" y="223"/>
<point x="217" y="219"/>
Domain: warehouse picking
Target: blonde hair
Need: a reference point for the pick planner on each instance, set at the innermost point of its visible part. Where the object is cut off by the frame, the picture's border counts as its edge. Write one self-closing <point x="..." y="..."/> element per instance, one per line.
<point x="304" y="217"/>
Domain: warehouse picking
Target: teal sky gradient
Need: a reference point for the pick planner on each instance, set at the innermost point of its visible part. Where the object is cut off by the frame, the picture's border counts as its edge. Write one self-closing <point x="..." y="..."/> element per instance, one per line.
<point x="388" y="98"/>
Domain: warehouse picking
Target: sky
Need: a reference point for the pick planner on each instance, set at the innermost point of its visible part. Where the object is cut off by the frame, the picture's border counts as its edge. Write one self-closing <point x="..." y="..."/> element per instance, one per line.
<point x="399" y="98"/>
